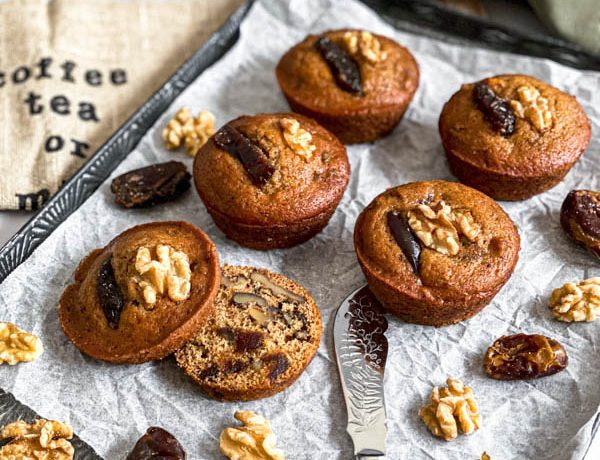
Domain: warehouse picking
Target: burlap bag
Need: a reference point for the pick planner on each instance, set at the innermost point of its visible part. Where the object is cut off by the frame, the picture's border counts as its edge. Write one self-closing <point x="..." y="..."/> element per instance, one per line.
<point x="72" y="71"/>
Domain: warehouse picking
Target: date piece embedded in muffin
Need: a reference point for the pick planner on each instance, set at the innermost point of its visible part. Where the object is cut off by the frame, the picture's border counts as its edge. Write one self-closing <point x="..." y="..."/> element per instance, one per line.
<point x="143" y="295"/>
<point x="271" y="180"/>
<point x="435" y="252"/>
<point x="512" y="136"/>
<point x="355" y="83"/>
<point x="263" y="333"/>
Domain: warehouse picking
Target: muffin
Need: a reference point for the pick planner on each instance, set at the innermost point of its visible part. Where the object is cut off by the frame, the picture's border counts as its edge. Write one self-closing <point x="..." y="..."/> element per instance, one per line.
<point x="436" y="252"/>
<point x="271" y="180"/>
<point x="264" y="331"/>
<point x="143" y="295"/>
<point x="355" y="83"/>
<point x="512" y="136"/>
<point x="580" y="218"/>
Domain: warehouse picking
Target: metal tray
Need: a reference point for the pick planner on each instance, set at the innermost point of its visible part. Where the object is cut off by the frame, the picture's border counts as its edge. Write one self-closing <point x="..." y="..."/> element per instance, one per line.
<point x="415" y="16"/>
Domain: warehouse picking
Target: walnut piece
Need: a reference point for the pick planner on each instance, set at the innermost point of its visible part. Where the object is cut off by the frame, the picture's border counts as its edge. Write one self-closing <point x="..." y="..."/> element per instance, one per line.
<point x="42" y="440"/>
<point x="254" y="440"/>
<point x="168" y="272"/>
<point x="439" y="227"/>
<point x="16" y="345"/>
<point x="451" y="407"/>
<point x="485" y="456"/>
<point x="189" y="131"/>
<point x="576" y="301"/>
<point x="297" y="138"/>
<point x="365" y="44"/>
<point x="533" y="107"/>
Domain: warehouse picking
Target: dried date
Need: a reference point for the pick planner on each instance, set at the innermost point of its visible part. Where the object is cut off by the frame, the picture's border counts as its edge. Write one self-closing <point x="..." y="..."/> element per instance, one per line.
<point x="109" y="294"/>
<point x="253" y="159"/>
<point x="405" y="239"/>
<point x="523" y="356"/>
<point x="248" y="341"/>
<point x="151" y="185"/>
<point x="345" y="70"/>
<point x="497" y="111"/>
<point x="277" y="363"/>
<point x="157" y="444"/>
<point x="580" y="218"/>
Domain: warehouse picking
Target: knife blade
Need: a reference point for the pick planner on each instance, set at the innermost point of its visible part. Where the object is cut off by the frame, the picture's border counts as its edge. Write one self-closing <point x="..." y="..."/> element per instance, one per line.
<point x="361" y="350"/>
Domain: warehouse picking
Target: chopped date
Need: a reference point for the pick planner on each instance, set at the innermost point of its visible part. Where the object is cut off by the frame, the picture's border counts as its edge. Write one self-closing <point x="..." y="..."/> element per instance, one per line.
<point x="523" y="356"/>
<point x="582" y="207"/>
<point x="157" y="444"/>
<point x="109" y="294"/>
<point x="405" y="239"/>
<point x="248" y="341"/>
<point x="253" y="159"/>
<point x="151" y="185"/>
<point x="345" y="70"/>
<point x="277" y="363"/>
<point x="496" y="111"/>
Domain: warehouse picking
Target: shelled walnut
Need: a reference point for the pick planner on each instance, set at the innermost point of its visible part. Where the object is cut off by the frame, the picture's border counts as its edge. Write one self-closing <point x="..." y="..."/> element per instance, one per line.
<point x="533" y="107"/>
<point x="576" y="301"/>
<point x="439" y="227"/>
<point x="168" y="272"/>
<point x="365" y="44"/>
<point x="298" y="139"/>
<point x="191" y="132"/>
<point x="254" y="440"/>
<point x="43" y="440"/>
<point x="451" y="407"/>
<point x="16" y="345"/>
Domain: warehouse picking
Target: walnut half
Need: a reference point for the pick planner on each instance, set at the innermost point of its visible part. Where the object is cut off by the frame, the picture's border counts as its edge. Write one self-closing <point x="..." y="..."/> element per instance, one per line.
<point x="43" y="439"/>
<point x="365" y="44"/>
<point x="532" y="107"/>
<point x="191" y="132"/>
<point x="439" y="227"/>
<point x="16" y="345"/>
<point x="297" y="138"/>
<point x="167" y="272"/>
<point x="254" y="440"/>
<point x="576" y="301"/>
<point x="451" y="407"/>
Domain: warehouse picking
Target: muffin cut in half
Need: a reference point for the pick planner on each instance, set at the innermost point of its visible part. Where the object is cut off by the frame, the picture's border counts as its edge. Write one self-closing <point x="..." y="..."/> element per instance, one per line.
<point x="271" y="180"/>
<point x="436" y="252"/>
<point x="512" y="136"/>
<point x="142" y="296"/>
<point x="355" y="83"/>
<point x="264" y="331"/>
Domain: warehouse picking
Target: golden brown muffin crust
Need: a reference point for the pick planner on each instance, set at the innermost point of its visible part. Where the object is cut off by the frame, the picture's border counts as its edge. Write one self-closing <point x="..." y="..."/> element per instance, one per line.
<point x="299" y="189"/>
<point x="527" y="152"/>
<point x="305" y="77"/>
<point x="478" y="267"/>
<point x="142" y="334"/>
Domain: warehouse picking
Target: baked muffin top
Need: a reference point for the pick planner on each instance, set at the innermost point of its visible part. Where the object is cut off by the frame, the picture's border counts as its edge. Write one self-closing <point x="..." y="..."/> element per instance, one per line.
<point x="466" y="242"/>
<point x="389" y="74"/>
<point x="305" y="170"/>
<point x="551" y="129"/>
<point x="143" y="295"/>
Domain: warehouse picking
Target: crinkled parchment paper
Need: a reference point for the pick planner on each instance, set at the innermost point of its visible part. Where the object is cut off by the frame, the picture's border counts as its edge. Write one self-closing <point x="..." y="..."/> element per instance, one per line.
<point x="111" y="406"/>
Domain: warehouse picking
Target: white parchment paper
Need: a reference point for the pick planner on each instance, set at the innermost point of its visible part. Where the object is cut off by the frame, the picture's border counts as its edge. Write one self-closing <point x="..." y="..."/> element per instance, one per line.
<point x="111" y="406"/>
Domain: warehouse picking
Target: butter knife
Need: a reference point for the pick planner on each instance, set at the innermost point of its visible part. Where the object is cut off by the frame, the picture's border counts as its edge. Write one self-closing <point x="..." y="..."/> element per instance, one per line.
<point x="361" y="350"/>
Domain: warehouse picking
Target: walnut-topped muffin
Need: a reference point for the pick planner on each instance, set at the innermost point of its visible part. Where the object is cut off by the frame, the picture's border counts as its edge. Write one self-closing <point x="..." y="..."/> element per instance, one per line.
<point x="355" y="83"/>
<point x="271" y="180"/>
<point x="435" y="252"/>
<point x="512" y="136"/>
<point x="143" y="295"/>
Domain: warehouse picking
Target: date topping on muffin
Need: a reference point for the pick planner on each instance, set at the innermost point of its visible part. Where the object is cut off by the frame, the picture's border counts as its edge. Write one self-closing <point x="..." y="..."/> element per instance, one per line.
<point x="533" y="107"/>
<point x="344" y="68"/>
<point x="151" y="185"/>
<point x="297" y="138"/>
<point x="255" y="161"/>
<point x="451" y="407"/>
<point x="365" y="44"/>
<point x="524" y="356"/>
<point x="576" y="301"/>
<point x="496" y="110"/>
<point x="168" y="272"/>
<point x="405" y="238"/>
<point x="109" y="294"/>
<point x="439" y="227"/>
